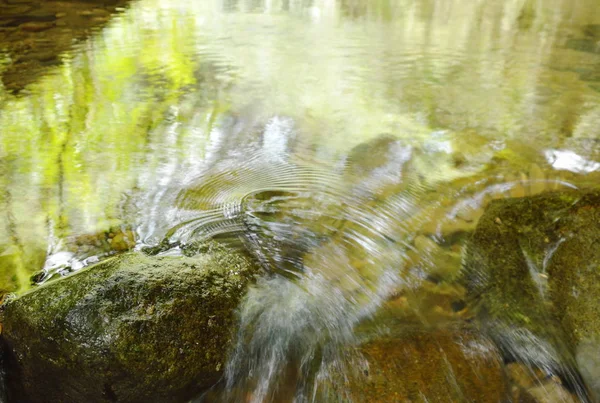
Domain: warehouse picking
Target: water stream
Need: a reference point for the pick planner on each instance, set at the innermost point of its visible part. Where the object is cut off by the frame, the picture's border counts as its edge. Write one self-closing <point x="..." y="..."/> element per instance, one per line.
<point x="349" y="147"/>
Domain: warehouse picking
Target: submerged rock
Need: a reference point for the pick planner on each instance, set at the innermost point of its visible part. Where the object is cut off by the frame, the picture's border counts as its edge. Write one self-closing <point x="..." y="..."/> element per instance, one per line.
<point x="133" y="328"/>
<point x="533" y="265"/>
<point x="444" y="365"/>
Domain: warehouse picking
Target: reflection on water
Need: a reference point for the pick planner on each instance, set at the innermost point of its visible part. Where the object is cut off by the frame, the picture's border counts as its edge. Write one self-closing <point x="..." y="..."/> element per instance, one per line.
<point x="348" y="145"/>
<point x="497" y="83"/>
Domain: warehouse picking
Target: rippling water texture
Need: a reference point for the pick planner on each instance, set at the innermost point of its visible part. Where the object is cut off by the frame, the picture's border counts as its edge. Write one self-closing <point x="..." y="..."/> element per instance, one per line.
<point x="348" y="146"/>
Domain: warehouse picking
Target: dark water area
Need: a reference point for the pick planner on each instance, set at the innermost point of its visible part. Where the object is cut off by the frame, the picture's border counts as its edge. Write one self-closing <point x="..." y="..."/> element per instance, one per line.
<point x="350" y="149"/>
<point x="34" y="35"/>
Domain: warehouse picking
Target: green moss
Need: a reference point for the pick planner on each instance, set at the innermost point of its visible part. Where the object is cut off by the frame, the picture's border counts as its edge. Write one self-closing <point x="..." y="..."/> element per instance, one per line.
<point x="147" y="328"/>
<point x="534" y="263"/>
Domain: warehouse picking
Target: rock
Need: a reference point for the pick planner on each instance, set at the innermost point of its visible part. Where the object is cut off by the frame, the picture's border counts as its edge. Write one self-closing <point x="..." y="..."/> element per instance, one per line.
<point x="532" y="385"/>
<point x="429" y="305"/>
<point x="384" y="153"/>
<point x="533" y="266"/>
<point x="3" y="397"/>
<point x="445" y="365"/>
<point x="442" y="264"/>
<point x="123" y="241"/>
<point x="133" y="328"/>
<point x="378" y="168"/>
<point x="444" y="227"/>
<point x="522" y="376"/>
<point x="588" y="361"/>
<point x="549" y="392"/>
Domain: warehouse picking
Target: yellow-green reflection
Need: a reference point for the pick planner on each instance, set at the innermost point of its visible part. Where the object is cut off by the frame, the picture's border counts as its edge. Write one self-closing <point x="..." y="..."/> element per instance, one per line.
<point x="139" y="100"/>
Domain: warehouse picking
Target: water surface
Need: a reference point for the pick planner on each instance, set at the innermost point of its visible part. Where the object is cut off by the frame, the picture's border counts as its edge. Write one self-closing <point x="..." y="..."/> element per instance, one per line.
<point x="334" y="140"/>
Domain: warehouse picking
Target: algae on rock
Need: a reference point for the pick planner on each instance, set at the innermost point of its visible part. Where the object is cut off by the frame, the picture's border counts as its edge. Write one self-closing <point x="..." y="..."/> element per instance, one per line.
<point x="132" y="328"/>
<point x="533" y="266"/>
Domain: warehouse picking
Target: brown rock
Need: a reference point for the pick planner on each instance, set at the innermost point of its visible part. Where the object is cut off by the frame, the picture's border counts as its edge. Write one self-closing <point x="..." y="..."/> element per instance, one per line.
<point x="446" y="365"/>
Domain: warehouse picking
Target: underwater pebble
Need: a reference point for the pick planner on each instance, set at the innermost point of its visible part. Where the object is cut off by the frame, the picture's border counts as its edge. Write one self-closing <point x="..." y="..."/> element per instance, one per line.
<point x="419" y="363"/>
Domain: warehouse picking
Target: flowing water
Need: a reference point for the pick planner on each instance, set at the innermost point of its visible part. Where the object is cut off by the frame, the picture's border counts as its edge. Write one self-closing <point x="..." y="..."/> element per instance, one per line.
<point x="348" y="146"/>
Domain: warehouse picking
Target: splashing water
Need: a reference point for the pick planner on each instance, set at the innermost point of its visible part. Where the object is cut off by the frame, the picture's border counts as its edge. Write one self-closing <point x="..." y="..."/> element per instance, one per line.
<point x="335" y="246"/>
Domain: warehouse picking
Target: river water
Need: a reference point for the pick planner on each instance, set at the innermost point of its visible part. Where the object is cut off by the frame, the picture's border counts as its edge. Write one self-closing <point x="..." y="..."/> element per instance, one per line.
<point x="337" y="142"/>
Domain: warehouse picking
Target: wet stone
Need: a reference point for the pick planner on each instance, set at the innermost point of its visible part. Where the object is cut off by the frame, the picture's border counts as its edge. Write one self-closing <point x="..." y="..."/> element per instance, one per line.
<point x="523" y="376"/>
<point x="445" y="365"/>
<point x="533" y="269"/>
<point x="549" y="392"/>
<point x="138" y="328"/>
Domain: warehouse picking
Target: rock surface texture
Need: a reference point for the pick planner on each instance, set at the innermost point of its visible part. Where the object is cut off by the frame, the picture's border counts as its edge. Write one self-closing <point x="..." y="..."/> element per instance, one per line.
<point x="446" y="365"/>
<point x="534" y="267"/>
<point x="133" y="328"/>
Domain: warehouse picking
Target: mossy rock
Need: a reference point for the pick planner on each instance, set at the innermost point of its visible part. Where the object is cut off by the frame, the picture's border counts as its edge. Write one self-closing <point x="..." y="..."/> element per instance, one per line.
<point x="133" y="328"/>
<point x="453" y="364"/>
<point x="533" y="266"/>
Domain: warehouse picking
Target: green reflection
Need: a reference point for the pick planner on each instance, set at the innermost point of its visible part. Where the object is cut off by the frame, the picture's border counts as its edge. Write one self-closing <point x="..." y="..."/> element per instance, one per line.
<point x="145" y="93"/>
